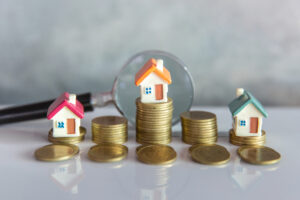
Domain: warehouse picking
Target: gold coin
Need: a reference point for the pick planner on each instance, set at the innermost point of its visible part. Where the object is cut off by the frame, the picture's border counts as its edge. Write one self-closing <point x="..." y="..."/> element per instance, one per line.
<point x="138" y="100"/>
<point x="109" y="128"/>
<point x="164" y="112"/>
<point x="153" y="120"/>
<point x="232" y="134"/>
<point x="109" y="120"/>
<point x="154" y="135"/>
<point x="162" y="142"/>
<point x="154" y="108"/>
<point x="156" y="154"/>
<point x="192" y="148"/>
<point x="200" y="134"/>
<point x="193" y="122"/>
<point x="259" y="155"/>
<point x="67" y="140"/>
<point x="247" y="144"/>
<point x="195" y="146"/>
<point x="109" y="140"/>
<point x="210" y="154"/>
<point x="199" y="140"/>
<point x="108" y="152"/>
<point x="198" y="115"/>
<point x="153" y="138"/>
<point x="139" y="148"/>
<point x="192" y="142"/>
<point x="81" y="129"/>
<point x="156" y="130"/>
<point x="247" y="141"/>
<point x="199" y="128"/>
<point x="56" y="152"/>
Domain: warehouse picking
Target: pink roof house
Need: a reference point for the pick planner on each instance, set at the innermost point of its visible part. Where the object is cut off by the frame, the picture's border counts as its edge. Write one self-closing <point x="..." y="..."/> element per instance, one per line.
<point x="66" y="112"/>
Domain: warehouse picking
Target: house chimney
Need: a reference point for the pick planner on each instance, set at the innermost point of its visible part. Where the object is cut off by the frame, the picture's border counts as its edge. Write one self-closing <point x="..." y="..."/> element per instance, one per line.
<point x="160" y="64"/>
<point x="239" y="92"/>
<point x="72" y="98"/>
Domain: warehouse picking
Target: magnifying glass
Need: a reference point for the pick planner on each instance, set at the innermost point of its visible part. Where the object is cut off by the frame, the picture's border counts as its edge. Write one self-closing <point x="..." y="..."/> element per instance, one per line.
<point x="124" y="91"/>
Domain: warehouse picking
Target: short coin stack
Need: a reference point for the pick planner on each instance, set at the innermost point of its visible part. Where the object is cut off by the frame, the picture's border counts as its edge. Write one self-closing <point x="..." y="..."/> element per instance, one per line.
<point x="247" y="140"/>
<point x="109" y="130"/>
<point x="154" y="122"/>
<point x="199" y="127"/>
<point x="67" y="140"/>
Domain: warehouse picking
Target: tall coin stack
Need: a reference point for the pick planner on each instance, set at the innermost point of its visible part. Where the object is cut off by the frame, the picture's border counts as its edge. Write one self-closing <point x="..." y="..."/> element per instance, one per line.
<point x="247" y="140"/>
<point x="154" y="122"/>
<point x="109" y="130"/>
<point x="199" y="127"/>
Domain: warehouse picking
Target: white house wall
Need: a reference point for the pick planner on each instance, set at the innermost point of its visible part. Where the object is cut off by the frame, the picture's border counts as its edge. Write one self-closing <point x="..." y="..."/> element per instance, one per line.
<point x="150" y="81"/>
<point x="249" y="111"/>
<point x="62" y="116"/>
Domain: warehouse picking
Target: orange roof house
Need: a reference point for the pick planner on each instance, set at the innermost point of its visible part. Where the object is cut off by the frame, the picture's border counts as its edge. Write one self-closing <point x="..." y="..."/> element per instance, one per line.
<point x="153" y="79"/>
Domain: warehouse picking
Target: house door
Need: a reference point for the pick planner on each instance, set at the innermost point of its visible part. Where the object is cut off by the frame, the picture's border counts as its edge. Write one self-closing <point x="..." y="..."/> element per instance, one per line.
<point x="71" y="126"/>
<point x="253" y="125"/>
<point x="159" y="92"/>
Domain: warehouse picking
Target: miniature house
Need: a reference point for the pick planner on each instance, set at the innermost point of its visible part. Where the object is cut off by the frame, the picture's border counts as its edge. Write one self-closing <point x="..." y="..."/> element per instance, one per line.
<point x="247" y="113"/>
<point x="66" y="112"/>
<point x="153" y="79"/>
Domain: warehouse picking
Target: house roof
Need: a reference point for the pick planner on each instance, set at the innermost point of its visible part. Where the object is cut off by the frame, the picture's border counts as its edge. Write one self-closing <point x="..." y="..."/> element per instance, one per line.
<point x="150" y="67"/>
<point x="242" y="101"/>
<point x="63" y="101"/>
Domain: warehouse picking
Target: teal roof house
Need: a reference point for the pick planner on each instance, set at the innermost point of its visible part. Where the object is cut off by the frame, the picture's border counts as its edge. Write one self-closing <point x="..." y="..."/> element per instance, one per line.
<point x="247" y="113"/>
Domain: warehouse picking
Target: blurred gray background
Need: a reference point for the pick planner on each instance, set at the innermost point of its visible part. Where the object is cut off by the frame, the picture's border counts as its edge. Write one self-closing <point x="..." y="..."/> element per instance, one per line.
<point x="48" y="47"/>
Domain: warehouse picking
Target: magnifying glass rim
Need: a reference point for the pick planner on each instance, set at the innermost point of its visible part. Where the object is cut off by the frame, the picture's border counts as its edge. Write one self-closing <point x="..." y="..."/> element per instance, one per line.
<point x="175" y="58"/>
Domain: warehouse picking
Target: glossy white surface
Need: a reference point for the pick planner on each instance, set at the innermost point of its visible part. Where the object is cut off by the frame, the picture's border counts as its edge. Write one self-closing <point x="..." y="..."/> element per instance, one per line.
<point x="22" y="177"/>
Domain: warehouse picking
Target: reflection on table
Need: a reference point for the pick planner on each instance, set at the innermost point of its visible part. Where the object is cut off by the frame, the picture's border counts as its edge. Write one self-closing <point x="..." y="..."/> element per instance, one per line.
<point x="68" y="175"/>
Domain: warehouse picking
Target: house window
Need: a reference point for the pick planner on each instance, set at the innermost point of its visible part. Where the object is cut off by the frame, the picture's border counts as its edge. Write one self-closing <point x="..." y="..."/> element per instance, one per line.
<point x="242" y="122"/>
<point x="148" y="90"/>
<point x="60" y="125"/>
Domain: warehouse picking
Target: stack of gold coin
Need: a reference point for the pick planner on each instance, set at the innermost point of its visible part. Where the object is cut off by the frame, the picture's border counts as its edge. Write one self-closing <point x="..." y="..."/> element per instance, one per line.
<point x="154" y="122"/>
<point x="67" y="140"/>
<point x="199" y="127"/>
<point x="247" y="140"/>
<point x="109" y="130"/>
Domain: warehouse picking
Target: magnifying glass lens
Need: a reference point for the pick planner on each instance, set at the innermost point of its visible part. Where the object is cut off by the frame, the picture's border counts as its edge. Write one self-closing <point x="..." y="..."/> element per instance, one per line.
<point x="181" y="90"/>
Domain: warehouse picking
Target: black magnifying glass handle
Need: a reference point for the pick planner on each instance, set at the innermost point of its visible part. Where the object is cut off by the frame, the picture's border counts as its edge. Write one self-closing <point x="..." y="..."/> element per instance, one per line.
<point x="37" y="110"/>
